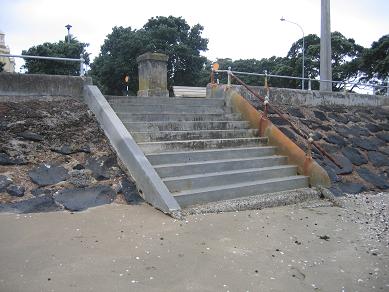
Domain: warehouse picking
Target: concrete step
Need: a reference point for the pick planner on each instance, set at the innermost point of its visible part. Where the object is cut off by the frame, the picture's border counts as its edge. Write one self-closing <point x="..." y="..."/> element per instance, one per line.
<point x="202" y="167"/>
<point x="215" y="102"/>
<point x="188" y="182"/>
<point x="164" y="146"/>
<point x="217" y="193"/>
<point x="185" y="126"/>
<point x="212" y="154"/>
<point x="193" y="135"/>
<point x="169" y="116"/>
<point x="178" y="108"/>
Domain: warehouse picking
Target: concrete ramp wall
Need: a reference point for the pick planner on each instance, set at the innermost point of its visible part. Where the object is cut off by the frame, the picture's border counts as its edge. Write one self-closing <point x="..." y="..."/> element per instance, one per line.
<point x="150" y="185"/>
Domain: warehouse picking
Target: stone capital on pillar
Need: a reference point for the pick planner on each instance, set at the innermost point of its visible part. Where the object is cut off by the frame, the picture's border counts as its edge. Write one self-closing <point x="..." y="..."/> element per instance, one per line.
<point x="152" y="69"/>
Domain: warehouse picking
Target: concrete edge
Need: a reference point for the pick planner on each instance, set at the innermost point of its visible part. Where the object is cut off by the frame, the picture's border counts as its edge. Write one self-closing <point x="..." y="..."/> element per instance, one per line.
<point x="256" y="202"/>
<point x="317" y="175"/>
<point x="150" y="185"/>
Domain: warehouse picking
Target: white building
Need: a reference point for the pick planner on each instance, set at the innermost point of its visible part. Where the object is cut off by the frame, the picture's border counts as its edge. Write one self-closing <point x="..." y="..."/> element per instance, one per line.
<point x="9" y="62"/>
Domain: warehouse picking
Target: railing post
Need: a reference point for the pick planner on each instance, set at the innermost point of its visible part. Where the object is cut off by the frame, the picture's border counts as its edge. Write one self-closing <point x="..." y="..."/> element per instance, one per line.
<point x="82" y="60"/>
<point x="309" y="84"/>
<point x="309" y="149"/>
<point x="229" y="77"/>
<point x="212" y="76"/>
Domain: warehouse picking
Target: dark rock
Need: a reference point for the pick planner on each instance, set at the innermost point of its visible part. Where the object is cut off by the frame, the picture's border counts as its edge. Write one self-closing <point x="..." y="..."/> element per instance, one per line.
<point x="353" y="118"/>
<point x="336" y="191"/>
<point x="325" y="128"/>
<point x="351" y="188"/>
<point x="332" y="174"/>
<point x="334" y="139"/>
<point x="373" y="127"/>
<point x="354" y="155"/>
<point x="384" y="136"/>
<point x="278" y="121"/>
<point x="296" y="113"/>
<point x="366" y="144"/>
<point x="343" y="131"/>
<point x="346" y="166"/>
<point x="64" y="149"/>
<point x="41" y="191"/>
<point x="85" y="149"/>
<point x="130" y="192"/>
<point x="31" y="136"/>
<point x="310" y="123"/>
<point x="78" y="167"/>
<point x="358" y="131"/>
<point x="291" y="135"/>
<point x="338" y="118"/>
<point x="320" y="115"/>
<point x="384" y="150"/>
<point x="67" y="149"/>
<point x="5" y="159"/>
<point x="16" y="191"/>
<point x="5" y="181"/>
<point x="330" y="148"/>
<point x="378" y="159"/>
<point x="33" y="205"/>
<point x="317" y="136"/>
<point x="99" y="167"/>
<point x="385" y="126"/>
<point x="373" y="178"/>
<point x="45" y="174"/>
<point x="81" y="199"/>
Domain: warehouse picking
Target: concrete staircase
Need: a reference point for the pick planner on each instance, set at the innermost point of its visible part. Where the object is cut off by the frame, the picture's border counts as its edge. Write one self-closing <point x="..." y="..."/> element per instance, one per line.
<point x="202" y="151"/>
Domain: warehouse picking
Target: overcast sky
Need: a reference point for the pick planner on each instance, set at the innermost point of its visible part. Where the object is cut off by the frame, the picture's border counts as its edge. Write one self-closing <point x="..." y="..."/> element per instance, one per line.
<point x="235" y="29"/>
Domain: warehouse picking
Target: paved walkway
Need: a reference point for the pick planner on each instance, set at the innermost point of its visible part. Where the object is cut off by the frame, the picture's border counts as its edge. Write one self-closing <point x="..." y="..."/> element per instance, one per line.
<point x="136" y="248"/>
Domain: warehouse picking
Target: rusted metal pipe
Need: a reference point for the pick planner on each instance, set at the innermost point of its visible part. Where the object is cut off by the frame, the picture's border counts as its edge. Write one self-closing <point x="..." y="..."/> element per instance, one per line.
<point x="297" y="130"/>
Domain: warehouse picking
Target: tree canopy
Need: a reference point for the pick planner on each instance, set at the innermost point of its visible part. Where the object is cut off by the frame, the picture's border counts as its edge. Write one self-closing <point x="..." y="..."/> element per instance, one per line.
<point x="169" y="35"/>
<point x="61" y="49"/>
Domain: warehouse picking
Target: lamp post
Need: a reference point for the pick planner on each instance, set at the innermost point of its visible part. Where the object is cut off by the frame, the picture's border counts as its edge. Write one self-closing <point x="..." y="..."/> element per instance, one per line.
<point x="303" y="67"/>
<point x="68" y="26"/>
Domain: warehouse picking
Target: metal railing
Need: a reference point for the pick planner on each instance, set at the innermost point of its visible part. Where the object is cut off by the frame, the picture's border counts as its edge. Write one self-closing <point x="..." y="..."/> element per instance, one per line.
<point x="81" y="60"/>
<point x="309" y="80"/>
<point x="267" y="105"/>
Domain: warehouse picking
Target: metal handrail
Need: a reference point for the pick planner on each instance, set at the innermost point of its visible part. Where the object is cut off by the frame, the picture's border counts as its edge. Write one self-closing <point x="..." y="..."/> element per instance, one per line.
<point x="310" y="80"/>
<point x="81" y="60"/>
<point x="265" y="100"/>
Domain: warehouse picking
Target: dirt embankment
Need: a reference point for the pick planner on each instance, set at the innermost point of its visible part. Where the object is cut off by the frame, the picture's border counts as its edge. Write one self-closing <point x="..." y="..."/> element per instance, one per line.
<point x="51" y="146"/>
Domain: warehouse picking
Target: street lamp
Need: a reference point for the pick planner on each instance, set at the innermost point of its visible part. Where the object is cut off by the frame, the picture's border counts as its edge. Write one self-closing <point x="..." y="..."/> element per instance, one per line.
<point x="303" y="69"/>
<point x="68" y="26"/>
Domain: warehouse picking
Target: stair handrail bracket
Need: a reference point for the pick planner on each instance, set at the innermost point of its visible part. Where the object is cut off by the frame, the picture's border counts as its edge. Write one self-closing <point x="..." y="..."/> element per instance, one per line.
<point x="258" y="119"/>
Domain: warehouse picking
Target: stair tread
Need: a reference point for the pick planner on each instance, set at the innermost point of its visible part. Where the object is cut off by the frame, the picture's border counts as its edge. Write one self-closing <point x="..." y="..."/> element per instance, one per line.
<point x="204" y="140"/>
<point x="237" y="185"/>
<point x="244" y="170"/>
<point x="217" y="161"/>
<point x="198" y="131"/>
<point x="212" y="150"/>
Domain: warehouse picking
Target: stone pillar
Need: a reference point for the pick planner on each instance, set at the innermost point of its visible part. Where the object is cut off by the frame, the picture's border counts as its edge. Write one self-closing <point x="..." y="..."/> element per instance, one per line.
<point x="152" y="69"/>
<point x="325" y="47"/>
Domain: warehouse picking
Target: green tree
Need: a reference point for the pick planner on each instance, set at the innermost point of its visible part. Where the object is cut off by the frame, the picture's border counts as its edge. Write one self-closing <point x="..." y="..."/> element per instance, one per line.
<point x="373" y="64"/>
<point x="62" y="49"/>
<point x="169" y="35"/>
<point x="344" y="52"/>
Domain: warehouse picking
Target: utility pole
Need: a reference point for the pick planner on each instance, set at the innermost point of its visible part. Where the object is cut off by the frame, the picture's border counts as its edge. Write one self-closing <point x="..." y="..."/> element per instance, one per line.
<point x="325" y="47"/>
